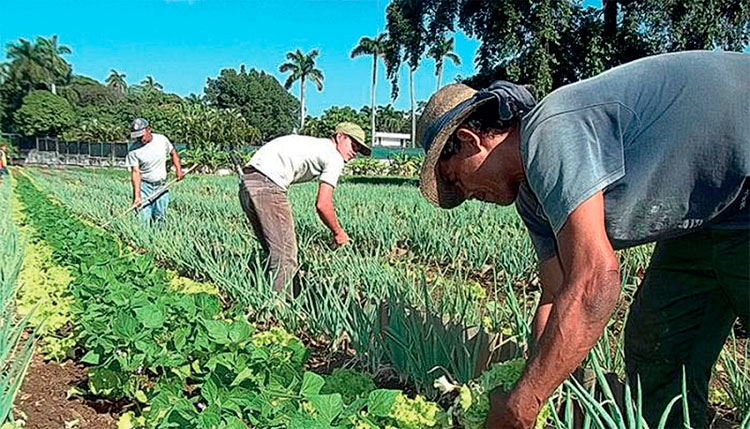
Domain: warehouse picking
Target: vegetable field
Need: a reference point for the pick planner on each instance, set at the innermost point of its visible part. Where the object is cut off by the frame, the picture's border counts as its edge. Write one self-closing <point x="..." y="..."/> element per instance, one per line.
<point x="177" y="325"/>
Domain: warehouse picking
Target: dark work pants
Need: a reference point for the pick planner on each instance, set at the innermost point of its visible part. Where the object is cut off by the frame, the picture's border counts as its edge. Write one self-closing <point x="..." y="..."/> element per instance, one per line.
<point x="694" y="290"/>
<point x="268" y="210"/>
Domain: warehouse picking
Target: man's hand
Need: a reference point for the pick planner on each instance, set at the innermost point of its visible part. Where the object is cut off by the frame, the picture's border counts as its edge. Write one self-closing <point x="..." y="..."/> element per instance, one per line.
<point x="340" y="238"/>
<point x="137" y="202"/>
<point x="577" y="311"/>
<point x="505" y="413"/>
<point x="180" y="174"/>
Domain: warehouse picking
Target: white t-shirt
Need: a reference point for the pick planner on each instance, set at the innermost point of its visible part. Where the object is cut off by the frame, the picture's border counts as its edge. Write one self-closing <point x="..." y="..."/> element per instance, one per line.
<point x="295" y="159"/>
<point x="150" y="158"/>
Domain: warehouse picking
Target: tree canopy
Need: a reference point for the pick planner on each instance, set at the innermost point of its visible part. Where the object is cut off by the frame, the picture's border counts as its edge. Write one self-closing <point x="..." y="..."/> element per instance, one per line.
<point x="258" y="96"/>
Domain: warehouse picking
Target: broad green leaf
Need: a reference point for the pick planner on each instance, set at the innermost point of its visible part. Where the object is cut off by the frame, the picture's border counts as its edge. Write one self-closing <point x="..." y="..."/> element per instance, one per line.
<point x="311" y="384"/>
<point x="239" y="332"/>
<point x="328" y="407"/>
<point x="91" y="357"/>
<point x="210" y="390"/>
<point x="125" y="326"/>
<point x="151" y="316"/>
<point x="180" y="337"/>
<point x="210" y="418"/>
<point x="217" y="331"/>
<point x="380" y="402"/>
<point x="242" y="376"/>
<point x="104" y="382"/>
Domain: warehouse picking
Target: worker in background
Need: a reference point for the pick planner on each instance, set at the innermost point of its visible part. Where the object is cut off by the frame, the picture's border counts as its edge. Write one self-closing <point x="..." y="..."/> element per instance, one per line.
<point x="285" y="161"/>
<point x="3" y="160"/>
<point x="147" y="161"/>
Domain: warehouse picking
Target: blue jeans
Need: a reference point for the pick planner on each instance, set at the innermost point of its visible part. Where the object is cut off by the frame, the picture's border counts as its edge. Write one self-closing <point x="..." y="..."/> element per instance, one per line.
<point x="157" y="210"/>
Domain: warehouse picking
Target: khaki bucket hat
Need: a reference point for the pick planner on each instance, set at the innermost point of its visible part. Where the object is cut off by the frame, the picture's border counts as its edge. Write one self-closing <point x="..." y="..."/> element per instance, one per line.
<point x="355" y="131"/>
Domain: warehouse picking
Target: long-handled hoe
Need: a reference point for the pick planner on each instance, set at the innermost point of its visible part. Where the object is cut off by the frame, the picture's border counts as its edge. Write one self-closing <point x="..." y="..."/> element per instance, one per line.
<point x="151" y="198"/>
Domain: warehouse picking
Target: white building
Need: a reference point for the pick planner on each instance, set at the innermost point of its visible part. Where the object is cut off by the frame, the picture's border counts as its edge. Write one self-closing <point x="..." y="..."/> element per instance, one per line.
<point x="391" y="139"/>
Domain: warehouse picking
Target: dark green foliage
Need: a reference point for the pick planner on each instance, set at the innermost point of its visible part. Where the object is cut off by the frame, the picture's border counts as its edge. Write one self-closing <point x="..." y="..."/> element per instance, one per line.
<point x="351" y="384"/>
<point x="263" y="102"/>
<point x="43" y="113"/>
<point x="84" y="92"/>
<point x="179" y="354"/>
<point x="325" y="125"/>
<point x="550" y="43"/>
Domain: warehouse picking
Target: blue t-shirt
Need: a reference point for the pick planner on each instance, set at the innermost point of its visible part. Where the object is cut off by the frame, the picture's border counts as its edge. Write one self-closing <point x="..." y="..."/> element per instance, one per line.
<point x="666" y="138"/>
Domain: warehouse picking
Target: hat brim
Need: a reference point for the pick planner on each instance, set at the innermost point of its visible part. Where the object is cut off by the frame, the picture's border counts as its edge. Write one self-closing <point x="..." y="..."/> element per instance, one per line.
<point x="364" y="149"/>
<point x="434" y="188"/>
<point x="136" y="134"/>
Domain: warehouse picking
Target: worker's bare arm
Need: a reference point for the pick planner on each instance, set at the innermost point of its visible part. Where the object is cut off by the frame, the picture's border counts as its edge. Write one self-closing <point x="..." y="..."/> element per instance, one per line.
<point x="551" y="278"/>
<point x="324" y="206"/>
<point x="580" y="309"/>
<point x="177" y="164"/>
<point x="135" y="176"/>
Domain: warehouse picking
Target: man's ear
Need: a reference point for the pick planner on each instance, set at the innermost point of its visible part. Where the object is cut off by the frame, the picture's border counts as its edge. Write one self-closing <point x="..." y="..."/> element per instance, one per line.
<point x="468" y="136"/>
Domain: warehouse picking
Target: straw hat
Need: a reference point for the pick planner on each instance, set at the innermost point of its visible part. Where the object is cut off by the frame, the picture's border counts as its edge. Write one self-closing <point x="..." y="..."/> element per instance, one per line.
<point x="445" y="111"/>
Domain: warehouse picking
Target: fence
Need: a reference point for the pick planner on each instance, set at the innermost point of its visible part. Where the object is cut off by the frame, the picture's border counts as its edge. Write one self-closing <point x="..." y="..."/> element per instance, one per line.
<point x="54" y="151"/>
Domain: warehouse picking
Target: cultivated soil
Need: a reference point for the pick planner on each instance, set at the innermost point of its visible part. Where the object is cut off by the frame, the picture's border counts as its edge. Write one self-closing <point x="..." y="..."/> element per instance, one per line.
<point x="43" y="399"/>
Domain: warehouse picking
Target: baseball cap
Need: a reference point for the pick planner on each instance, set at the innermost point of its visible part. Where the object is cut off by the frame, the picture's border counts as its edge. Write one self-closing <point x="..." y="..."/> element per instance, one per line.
<point x="138" y="127"/>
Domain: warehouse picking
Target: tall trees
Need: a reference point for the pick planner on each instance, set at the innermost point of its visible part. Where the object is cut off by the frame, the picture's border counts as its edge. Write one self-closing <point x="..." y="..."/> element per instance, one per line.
<point x="150" y="84"/>
<point x="301" y="67"/>
<point x="375" y="47"/>
<point x="39" y="63"/>
<point x="116" y="81"/>
<point x="43" y="113"/>
<point x="553" y="42"/>
<point x="405" y="21"/>
<point x="440" y="51"/>
<point x="50" y="52"/>
<point x="260" y="98"/>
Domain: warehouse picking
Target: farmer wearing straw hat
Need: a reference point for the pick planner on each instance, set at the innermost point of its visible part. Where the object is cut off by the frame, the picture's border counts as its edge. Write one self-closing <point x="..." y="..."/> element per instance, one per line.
<point x="147" y="161"/>
<point x="657" y="150"/>
<point x="295" y="159"/>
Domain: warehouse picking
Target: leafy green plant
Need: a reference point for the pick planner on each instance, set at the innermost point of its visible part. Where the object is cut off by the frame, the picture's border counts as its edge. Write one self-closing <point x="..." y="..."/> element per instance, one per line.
<point x="365" y="167"/>
<point x="349" y="383"/>
<point x="404" y="164"/>
<point x="473" y="401"/>
<point x="177" y="355"/>
<point x="15" y="351"/>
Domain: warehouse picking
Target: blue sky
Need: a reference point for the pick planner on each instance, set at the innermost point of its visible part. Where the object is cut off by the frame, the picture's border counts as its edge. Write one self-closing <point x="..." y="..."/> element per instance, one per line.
<point x="182" y="42"/>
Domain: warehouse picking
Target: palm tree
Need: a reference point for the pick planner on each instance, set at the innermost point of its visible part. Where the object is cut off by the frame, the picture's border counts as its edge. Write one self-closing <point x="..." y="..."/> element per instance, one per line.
<point x="116" y="81"/>
<point x="50" y="58"/>
<point x="25" y="66"/>
<point x="405" y="22"/>
<point x="151" y="84"/>
<point x="4" y="72"/>
<point x="194" y="99"/>
<point x="376" y="48"/>
<point x="302" y="67"/>
<point x="442" y="49"/>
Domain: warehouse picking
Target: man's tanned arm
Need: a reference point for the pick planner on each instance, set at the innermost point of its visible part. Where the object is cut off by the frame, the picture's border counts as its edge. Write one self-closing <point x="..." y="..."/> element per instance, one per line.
<point x="579" y="311"/>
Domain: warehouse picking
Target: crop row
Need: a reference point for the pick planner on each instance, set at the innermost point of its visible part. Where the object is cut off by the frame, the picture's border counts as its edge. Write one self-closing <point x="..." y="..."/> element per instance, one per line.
<point x="401" y="296"/>
<point x="15" y="351"/>
<point x="183" y="360"/>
